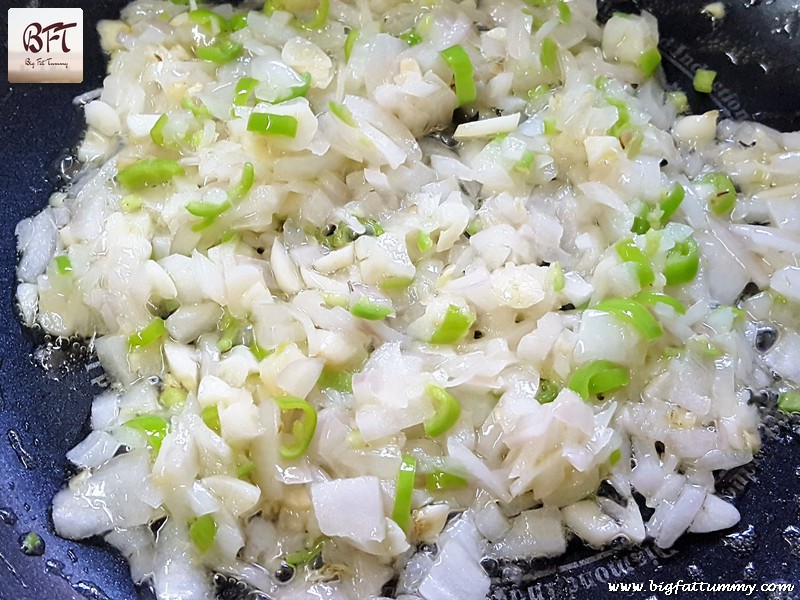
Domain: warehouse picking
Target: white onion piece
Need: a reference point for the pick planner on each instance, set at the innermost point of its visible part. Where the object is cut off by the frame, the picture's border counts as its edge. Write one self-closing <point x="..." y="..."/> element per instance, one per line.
<point x="284" y="269"/>
<point x="456" y="573"/>
<point x="534" y="533"/>
<point x="787" y="282"/>
<point x="187" y="323"/>
<point x="487" y="127"/>
<point x="476" y="468"/>
<point x="784" y="356"/>
<point x="137" y="545"/>
<point x="590" y="523"/>
<point x="112" y="350"/>
<point x="36" y="240"/>
<point x="97" y="448"/>
<point x="102" y="117"/>
<point x="229" y="538"/>
<point x="177" y="575"/>
<point x="115" y="487"/>
<point x="338" y="514"/>
<point x="28" y="300"/>
<point x="696" y="130"/>
<point x="714" y="515"/>
<point x="491" y="522"/>
<point x="200" y="500"/>
<point x="105" y="409"/>
<point x="240" y="423"/>
<point x="671" y="519"/>
<point x="389" y="393"/>
<point x="299" y="377"/>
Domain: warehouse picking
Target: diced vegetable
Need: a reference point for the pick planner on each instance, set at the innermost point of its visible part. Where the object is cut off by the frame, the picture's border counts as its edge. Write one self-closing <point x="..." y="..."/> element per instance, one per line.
<point x="679" y="101"/>
<point x="653" y="298"/>
<point x="473" y="227"/>
<point x="303" y="428"/>
<point x="316" y="23"/>
<point x="623" y="117"/>
<point x="157" y="132"/>
<point x="447" y="410"/>
<point x="564" y="12"/>
<point x="320" y="17"/>
<point x="371" y="227"/>
<point x="150" y="333"/>
<point x="524" y="164"/>
<point x="32" y="544"/>
<point x="149" y="172"/>
<point x="723" y="198"/>
<point x="629" y="252"/>
<point x="387" y="250"/>
<point x="704" y="80"/>
<point x="683" y="262"/>
<point x="460" y="63"/>
<point x="244" y="184"/>
<point x="337" y="379"/>
<point x="243" y="471"/>
<point x="424" y="241"/>
<point x="633" y="143"/>
<point x="130" y="203"/>
<point x="343" y="113"/>
<point x="244" y="90"/>
<point x="789" y="402"/>
<point x="172" y="396"/>
<point x="210" y="416"/>
<point x="547" y="392"/>
<point x="259" y="352"/>
<point x="350" y="41"/>
<point x="549" y="53"/>
<point x="396" y="283"/>
<point x="634" y="313"/>
<point x="270" y="124"/>
<point x="206" y="210"/>
<point x="297" y="91"/>
<point x="404" y="488"/>
<point x="237" y="22"/>
<point x="210" y="212"/>
<point x="671" y="201"/>
<point x="640" y="222"/>
<point x="454" y="326"/>
<point x="221" y="51"/>
<point x="155" y="428"/>
<point x="411" y="37"/>
<point x="364" y="308"/>
<point x="63" y="264"/>
<point x="210" y="20"/>
<point x="598" y="377"/>
<point x="442" y="480"/>
<point x="302" y="557"/>
<point x="649" y="61"/>
<point x="203" y="532"/>
<point x="197" y="108"/>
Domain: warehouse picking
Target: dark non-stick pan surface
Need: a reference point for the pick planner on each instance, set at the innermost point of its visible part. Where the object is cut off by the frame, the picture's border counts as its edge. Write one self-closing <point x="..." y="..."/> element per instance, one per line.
<point x="44" y="410"/>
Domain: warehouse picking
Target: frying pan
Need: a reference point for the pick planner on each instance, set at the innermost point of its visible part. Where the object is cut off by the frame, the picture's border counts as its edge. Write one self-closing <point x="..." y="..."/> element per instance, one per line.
<point x="44" y="409"/>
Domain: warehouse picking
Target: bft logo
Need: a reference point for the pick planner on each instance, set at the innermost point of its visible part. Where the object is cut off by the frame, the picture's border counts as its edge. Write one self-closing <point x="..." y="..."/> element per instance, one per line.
<point x="45" y="45"/>
<point x="32" y="36"/>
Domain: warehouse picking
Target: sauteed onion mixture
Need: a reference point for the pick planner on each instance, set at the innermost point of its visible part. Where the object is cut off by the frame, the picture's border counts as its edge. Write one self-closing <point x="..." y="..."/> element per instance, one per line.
<point x="385" y="288"/>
